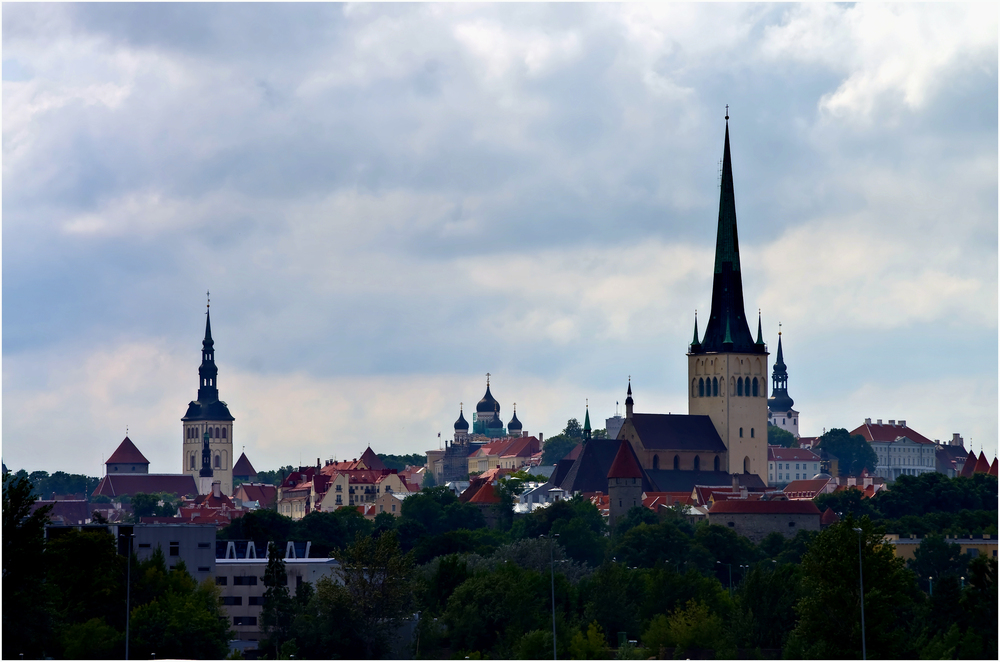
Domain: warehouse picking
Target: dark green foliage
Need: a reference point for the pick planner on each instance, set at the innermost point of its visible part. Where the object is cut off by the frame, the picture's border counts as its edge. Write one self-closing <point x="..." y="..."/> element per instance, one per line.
<point x="847" y="502"/>
<point x="59" y="483"/>
<point x="400" y="462"/>
<point x="428" y="480"/>
<point x="279" y="610"/>
<point x="933" y="492"/>
<point x="433" y="512"/>
<point x="635" y="516"/>
<point x="578" y="523"/>
<point x="764" y="607"/>
<point x="148" y="505"/>
<point x="328" y="626"/>
<point x="274" y="477"/>
<point x="829" y="612"/>
<point x="612" y="595"/>
<point x="97" y="593"/>
<point x="26" y="610"/>
<point x="330" y="531"/>
<point x="778" y="437"/>
<point x="935" y="558"/>
<point x="557" y="447"/>
<point x="646" y="545"/>
<point x="854" y="453"/>
<point x="184" y="622"/>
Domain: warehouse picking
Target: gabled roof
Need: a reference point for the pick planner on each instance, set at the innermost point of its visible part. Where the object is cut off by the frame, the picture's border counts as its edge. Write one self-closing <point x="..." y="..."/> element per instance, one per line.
<point x="677" y="432"/>
<point x="485" y="495"/>
<point x="127" y="453"/>
<point x="625" y="464"/>
<point x="243" y="467"/>
<point x="888" y="433"/>
<point x="76" y="511"/>
<point x="371" y="460"/>
<point x="262" y="493"/>
<point x="732" y="507"/>
<point x="116" y="485"/>
<point x="970" y="465"/>
<point x="982" y="464"/>
<point x="589" y="472"/>
<point x="521" y="447"/>
<point x="780" y="454"/>
<point x="806" y="488"/>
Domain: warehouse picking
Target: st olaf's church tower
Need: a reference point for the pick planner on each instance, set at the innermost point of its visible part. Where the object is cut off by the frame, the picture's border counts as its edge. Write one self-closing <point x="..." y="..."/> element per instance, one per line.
<point x="208" y="417"/>
<point x="727" y="367"/>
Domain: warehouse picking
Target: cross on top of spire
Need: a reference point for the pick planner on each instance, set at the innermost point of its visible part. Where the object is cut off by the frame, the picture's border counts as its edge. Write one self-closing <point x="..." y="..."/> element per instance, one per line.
<point x="727" y="112"/>
<point x="208" y="296"/>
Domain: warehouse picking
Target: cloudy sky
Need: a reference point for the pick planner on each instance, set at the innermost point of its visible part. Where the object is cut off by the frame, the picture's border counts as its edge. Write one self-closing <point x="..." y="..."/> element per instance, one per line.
<point x="389" y="201"/>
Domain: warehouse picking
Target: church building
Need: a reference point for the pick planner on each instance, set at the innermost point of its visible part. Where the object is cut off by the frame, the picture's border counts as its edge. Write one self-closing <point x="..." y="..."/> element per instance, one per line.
<point x="208" y="418"/>
<point x="779" y="405"/>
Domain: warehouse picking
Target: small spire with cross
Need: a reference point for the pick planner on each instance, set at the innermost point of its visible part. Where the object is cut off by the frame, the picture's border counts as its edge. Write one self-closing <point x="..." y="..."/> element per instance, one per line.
<point x="487" y="379"/>
<point x="208" y="296"/>
<point x="727" y="112"/>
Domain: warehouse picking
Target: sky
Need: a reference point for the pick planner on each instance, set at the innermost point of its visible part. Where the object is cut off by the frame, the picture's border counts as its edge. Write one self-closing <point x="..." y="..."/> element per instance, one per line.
<point x="387" y="202"/>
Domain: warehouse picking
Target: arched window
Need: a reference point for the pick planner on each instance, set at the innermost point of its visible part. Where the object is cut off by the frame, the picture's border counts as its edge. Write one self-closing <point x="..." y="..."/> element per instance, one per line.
<point x="218" y="462"/>
<point x="739" y="386"/>
<point x="755" y="388"/>
<point x="192" y="460"/>
<point x="751" y="433"/>
<point x="746" y="465"/>
<point x="209" y="433"/>
<point x="697" y="463"/>
<point x="701" y="388"/>
<point x="223" y="433"/>
<point x="216" y="433"/>
<point x="677" y="462"/>
<point x="741" y="433"/>
<point x="716" y="463"/>
<point x="656" y="461"/>
<point x="715" y="386"/>
<point x="732" y="386"/>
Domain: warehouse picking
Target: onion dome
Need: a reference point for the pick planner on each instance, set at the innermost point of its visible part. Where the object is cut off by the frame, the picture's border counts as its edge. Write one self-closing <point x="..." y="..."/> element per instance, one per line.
<point x="496" y="423"/>
<point x="461" y="423"/>
<point x="514" y="423"/>
<point x="488" y="404"/>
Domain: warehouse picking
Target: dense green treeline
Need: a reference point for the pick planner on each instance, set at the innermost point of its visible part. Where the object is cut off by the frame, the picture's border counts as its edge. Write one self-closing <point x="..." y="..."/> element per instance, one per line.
<point x="673" y="587"/>
<point x="43" y="485"/>
<point x="67" y="598"/>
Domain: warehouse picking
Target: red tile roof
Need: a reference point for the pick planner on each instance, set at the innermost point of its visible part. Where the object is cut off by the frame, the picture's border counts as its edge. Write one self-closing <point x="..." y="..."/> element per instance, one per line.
<point x="806" y="488"/>
<point x="485" y="495"/>
<point x="982" y="464"/>
<point x="77" y="511"/>
<point x="875" y="432"/>
<point x="127" y="453"/>
<point x="625" y="465"/>
<point x="829" y="517"/>
<point x="372" y="460"/>
<point x="970" y="465"/>
<point x="993" y="468"/>
<point x="262" y="493"/>
<point x="764" y="508"/>
<point x="521" y="447"/>
<point x="243" y="467"/>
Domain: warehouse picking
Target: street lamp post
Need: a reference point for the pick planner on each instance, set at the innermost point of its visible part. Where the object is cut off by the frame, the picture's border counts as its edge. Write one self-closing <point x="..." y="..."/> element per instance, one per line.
<point x="861" y="581"/>
<point x="128" y="590"/>
<point x="552" y="577"/>
<point x="930" y="586"/>
<point x="730" y="565"/>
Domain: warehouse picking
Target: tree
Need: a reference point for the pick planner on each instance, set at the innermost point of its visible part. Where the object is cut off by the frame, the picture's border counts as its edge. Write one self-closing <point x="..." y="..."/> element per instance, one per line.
<point x="853" y="452"/>
<point x="26" y="613"/>
<point x="590" y="646"/>
<point x="573" y="429"/>
<point x="400" y="462"/>
<point x="279" y="610"/>
<point x="779" y="437"/>
<point x="557" y="447"/>
<point x="428" y="480"/>
<point x="829" y="623"/>
<point x="375" y="574"/>
<point x="694" y="626"/>
<point x="935" y="558"/>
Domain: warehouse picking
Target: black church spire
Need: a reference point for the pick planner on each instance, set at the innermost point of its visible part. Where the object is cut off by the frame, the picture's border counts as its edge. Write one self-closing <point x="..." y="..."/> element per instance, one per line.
<point x="779" y="400"/>
<point x="727" y="329"/>
<point x="208" y="373"/>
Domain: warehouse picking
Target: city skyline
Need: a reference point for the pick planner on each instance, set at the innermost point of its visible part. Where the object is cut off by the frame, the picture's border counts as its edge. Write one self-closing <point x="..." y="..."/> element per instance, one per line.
<point x="388" y="202"/>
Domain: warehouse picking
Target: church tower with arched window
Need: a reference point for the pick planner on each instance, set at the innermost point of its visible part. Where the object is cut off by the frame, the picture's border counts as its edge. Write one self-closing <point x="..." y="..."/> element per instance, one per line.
<point x="208" y="418"/>
<point x="727" y="366"/>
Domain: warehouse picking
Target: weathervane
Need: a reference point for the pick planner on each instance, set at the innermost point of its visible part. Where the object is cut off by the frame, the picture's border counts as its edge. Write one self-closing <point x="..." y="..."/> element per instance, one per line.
<point x="208" y="296"/>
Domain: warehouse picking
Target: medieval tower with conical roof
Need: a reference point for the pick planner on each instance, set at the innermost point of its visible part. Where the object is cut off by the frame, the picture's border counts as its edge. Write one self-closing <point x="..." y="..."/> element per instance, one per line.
<point x="208" y="418"/>
<point x="727" y="367"/>
<point x="779" y="405"/>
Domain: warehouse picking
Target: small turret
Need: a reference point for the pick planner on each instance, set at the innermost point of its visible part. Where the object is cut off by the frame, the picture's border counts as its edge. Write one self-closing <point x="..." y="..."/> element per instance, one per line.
<point x="586" y="423"/>
<point x="628" y="400"/>
<point x="514" y="427"/>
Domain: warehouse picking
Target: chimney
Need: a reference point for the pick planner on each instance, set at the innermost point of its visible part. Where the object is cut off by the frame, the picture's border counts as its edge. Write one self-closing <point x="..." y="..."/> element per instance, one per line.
<point x="956" y="439"/>
<point x="317" y="464"/>
<point x="217" y="489"/>
<point x="902" y="423"/>
<point x="892" y="422"/>
<point x="868" y="421"/>
<point x="541" y="437"/>
<point x="880" y="421"/>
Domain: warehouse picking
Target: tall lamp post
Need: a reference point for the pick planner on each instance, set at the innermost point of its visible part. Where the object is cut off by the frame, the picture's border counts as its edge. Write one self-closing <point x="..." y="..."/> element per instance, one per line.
<point x="861" y="580"/>
<point x="552" y="576"/>
<point x="128" y="589"/>
<point x="730" y="565"/>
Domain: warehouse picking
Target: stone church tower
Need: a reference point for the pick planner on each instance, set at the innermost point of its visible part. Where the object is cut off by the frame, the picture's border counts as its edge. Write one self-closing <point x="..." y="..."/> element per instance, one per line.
<point x="208" y="418"/>
<point x="727" y="367"/>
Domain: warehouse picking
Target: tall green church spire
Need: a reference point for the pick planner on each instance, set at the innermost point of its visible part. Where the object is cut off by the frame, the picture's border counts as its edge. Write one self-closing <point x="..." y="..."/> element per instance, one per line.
<point x="727" y="329"/>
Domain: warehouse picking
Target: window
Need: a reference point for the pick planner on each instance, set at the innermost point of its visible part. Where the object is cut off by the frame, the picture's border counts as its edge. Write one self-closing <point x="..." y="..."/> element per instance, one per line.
<point x="175" y="549"/>
<point x="339" y="488"/>
<point x="209" y="433"/>
<point x="218" y="462"/>
<point x="756" y="389"/>
<point x="791" y="524"/>
<point x="697" y="465"/>
<point x="751" y="433"/>
<point x="245" y="581"/>
<point x="192" y="460"/>
<point x="231" y="600"/>
<point x="221" y="581"/>
<point x="298" y="580"/>
<point x="972" y="552"/>
<point x="656" y="462"/>
<point x="677" y="462"/>
<point x="204" y="568"/>
<point x="144" y="545"/>
<point x="715" y="386"/>
<point x="394" y="507"/>
<point x="741" y="433"/>
<point x="257" y="600"/>
<point x="223" y="433"/>
<point x="204" y="545"/>
<point x="739" y="386"/>
<point x="244" y="620"/>
<point x="733" y="524"/>
<point x="339" y="499"/>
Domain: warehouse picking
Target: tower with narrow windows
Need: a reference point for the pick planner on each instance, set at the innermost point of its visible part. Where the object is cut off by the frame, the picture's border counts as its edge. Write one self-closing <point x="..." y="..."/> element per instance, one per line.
<point x="208" y="418"/>
<point x="779" y="405"/>
<point x="727" y="366"/>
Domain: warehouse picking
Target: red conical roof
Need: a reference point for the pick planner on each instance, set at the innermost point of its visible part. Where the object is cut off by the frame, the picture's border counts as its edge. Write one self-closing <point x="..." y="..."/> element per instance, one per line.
<point x="625" y="464"/>
<point x="970" y="465"/>
<point x="372" y="460"/>
<point x="993" y="468"/>
<point x="982" y="464"/>
<point x="243" y="467"/>
<point x="127" y="453"/>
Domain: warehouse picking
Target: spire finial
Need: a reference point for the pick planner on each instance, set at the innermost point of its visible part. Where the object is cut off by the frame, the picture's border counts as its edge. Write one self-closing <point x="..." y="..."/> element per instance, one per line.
<point x="779" y="330"/>
<point x="208" y="296"/>
<point x="487" y="379"/>
<point x="515" y="407"/>
<point x="727" y="112"/>
<point x="460" y="405"/>
<point x="587" y="400"/>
